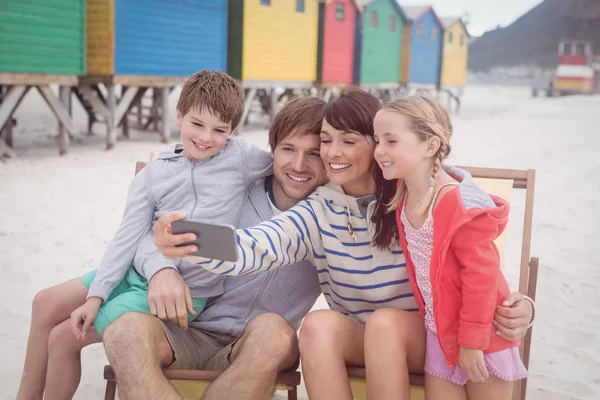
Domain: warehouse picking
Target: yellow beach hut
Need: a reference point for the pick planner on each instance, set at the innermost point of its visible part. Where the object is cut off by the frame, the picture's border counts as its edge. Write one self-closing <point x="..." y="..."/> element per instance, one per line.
<point x="455" y="53"/>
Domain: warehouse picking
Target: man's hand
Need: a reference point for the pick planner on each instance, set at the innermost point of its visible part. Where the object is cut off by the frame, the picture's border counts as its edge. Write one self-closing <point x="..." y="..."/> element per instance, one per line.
<point x="513" y="317"/>
<point x="169" y="297"/>
<point x="165" y="241"/>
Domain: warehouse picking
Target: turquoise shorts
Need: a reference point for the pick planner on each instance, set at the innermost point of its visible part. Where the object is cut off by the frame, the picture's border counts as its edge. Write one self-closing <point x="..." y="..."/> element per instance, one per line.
<point x="130" y="295"/>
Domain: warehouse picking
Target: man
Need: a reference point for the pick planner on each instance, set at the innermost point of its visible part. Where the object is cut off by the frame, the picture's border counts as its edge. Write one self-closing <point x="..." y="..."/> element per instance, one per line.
<point x="252" y="326"/>
<point x="250" y="330"/>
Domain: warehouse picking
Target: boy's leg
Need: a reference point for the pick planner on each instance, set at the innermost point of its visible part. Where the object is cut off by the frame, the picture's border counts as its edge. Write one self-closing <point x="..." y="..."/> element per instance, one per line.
<point x="328" y="342"/>
<point x="51" y="307"/>
<point x="443" y="389"/>
<point x="64" y="361"/>
<point x="493" y="389"/>
<point x="394" y="347"/>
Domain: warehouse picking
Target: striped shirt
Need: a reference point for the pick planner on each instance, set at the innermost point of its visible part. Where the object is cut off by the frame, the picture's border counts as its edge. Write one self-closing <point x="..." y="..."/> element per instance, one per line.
<point x="356" y="277"/>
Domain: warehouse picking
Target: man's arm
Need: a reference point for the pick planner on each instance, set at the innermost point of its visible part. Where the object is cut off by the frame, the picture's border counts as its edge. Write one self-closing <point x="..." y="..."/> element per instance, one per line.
<point x="514" y="317"/>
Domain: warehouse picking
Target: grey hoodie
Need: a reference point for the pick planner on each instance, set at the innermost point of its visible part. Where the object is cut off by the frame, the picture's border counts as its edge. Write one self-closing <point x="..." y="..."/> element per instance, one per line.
<point x="212" y="190"/>
<point x="290" y="292"/>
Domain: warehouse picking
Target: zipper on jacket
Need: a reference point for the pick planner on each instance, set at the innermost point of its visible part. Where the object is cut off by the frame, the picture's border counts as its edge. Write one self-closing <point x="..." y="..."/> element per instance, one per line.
<point x="191" y="216"/>
<point x="265" y="283"/>
<point x="443" y="250"/>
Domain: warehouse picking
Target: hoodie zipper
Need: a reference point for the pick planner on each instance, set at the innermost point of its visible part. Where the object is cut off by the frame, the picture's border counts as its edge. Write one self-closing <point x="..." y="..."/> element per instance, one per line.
<point x="191" y="216"/>
<point x="265" y="284"/>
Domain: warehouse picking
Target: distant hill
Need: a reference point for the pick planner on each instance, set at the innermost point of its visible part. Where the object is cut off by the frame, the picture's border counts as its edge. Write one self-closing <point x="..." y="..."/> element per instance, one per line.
<point x="533" y="39"/>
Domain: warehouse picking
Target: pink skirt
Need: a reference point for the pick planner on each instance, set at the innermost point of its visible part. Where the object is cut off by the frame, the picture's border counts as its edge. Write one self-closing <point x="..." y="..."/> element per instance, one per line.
<point x="505" y="364"/>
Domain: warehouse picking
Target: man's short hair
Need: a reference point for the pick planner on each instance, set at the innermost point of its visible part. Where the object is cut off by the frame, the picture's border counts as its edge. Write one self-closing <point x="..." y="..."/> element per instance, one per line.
<point x="216" y="92"/>
<point x="303" y="114"/>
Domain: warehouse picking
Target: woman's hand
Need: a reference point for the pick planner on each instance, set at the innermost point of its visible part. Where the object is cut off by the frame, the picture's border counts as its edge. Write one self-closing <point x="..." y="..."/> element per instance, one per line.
<point x="472" y="362"/>
<point x="82" y="318"/>
<point x="165" y="241"/>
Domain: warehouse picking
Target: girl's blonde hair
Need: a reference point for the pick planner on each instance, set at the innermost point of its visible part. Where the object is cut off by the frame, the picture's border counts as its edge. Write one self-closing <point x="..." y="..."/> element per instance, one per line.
<point x="427" y="118"/>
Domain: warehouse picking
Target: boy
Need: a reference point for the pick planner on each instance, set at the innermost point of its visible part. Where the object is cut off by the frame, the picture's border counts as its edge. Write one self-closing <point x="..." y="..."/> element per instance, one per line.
<point x="206" y="175"/>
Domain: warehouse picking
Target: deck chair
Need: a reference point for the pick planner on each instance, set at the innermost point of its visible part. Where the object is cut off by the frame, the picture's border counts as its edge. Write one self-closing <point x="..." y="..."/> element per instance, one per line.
<point x="191" y="384"/>
<point x="500" y="182"/>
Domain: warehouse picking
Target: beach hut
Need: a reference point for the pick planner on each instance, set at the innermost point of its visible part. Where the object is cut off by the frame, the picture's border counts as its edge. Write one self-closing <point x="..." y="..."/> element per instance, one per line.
<point x="379" y="44"/>
<point x="150" y="44"/>
<point x="338" y="21"/>
<point x="42" y="37"/>
<point x="455" y="53"/>
<point x="426" y="36"/>
<point x="273" y="41"/>
<point x="42" y="42"/>
<point x="156" y="38"/>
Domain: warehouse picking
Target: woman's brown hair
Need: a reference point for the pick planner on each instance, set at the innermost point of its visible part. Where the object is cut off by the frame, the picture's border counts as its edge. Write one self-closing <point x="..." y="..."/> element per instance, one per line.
<point x="354" y="111"/>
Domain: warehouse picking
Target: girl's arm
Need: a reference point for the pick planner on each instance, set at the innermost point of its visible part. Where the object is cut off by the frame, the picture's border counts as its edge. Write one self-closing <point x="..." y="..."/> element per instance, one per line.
<point x="473" y="245"/>
<point x="137" y="221"/>
<point x="284" y="240"/>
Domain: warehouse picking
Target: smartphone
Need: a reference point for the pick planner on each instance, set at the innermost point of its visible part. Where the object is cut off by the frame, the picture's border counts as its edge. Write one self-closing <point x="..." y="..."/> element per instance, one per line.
<point x="213" y="240"/>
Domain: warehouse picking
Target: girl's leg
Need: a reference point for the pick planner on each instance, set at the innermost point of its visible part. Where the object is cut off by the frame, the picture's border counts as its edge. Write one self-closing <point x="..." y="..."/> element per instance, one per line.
<point x="442" y="389"/>
<point x="64" y="361"/>
<point x="328" y="342"/>
<point x="50" y="307"/>
<point x="493" y="389"/>
<point x="394" y="347"/>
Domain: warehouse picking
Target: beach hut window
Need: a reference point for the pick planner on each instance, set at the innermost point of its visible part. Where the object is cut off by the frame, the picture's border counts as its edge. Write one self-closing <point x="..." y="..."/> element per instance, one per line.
<point x="265" y="2"/>
<point x="420" y="30"/>
<point x="433" y="33"/>
<point x="462" y="40"/>
<point x="299" y="5"/>
<point x="339" y="11"/>
<point x="374" y="19"/>
<point x="450" y="37"/>
<point x="392" y="24"/>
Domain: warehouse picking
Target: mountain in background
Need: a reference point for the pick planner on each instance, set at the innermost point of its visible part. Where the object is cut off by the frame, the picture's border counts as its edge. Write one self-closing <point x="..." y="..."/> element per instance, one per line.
<point x="533" y="39"/>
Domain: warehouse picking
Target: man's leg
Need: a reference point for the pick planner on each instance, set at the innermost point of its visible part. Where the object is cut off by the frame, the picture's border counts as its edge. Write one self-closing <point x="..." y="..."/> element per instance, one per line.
<point x="268" y="346"/>
<point x="138" y="349"/>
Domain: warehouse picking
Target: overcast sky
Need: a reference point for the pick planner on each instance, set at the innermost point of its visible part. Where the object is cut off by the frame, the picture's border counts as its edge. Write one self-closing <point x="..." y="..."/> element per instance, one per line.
<point x="485" y="14"/>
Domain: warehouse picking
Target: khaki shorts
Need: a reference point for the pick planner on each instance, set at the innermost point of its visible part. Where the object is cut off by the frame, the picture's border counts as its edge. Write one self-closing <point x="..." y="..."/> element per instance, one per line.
<point x="197" y="349"/>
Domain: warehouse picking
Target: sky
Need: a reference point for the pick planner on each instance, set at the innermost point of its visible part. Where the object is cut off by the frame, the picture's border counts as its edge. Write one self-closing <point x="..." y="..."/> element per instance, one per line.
<point x="485" y="14"/>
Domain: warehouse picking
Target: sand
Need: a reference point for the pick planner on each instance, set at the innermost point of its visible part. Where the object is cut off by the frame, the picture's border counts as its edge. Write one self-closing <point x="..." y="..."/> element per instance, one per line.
<point x="58" y="213"/>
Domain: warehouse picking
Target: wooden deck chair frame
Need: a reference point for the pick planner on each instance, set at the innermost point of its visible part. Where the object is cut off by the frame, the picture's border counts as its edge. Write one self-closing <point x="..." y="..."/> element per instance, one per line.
<point x="286" y="381"/>
<point x="521" y="179"/>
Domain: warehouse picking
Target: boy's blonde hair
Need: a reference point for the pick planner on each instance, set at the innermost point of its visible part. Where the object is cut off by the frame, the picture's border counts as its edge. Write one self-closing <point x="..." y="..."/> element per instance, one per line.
<point x="216" y="92"/>
<point x="427" y="118"/>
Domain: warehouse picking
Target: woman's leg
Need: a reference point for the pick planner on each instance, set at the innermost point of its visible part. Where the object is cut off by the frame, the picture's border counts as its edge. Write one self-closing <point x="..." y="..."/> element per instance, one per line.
<point x="328" y="342"/>
<point x="394" y="347"/>
<point x="443" y="389"/>
<point x="50" y="307"/>
<point x="64" y="361"/>
<point x="493" y="389"/>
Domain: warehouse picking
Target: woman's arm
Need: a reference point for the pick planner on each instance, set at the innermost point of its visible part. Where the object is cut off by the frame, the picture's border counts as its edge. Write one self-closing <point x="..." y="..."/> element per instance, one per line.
<point x="284" y="240"/>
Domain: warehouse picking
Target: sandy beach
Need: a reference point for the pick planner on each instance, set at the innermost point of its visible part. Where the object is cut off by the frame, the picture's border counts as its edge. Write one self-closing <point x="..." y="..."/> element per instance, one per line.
<point x="58" y="214"/>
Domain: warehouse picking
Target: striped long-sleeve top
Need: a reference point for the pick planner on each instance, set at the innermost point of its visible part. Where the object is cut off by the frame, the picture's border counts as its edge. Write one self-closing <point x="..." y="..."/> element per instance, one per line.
<point x="356" y="277"/>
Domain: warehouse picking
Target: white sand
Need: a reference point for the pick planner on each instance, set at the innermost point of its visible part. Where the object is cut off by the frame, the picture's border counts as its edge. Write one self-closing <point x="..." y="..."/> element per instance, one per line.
<point x="58" y="213"/>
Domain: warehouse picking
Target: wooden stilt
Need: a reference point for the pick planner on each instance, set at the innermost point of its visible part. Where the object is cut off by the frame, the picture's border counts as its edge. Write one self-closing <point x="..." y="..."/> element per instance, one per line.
<point x="251" y="94"/>
<point x="165" y="114"/>
<point x="63" y="139"/>
<point x="111" y="131"/>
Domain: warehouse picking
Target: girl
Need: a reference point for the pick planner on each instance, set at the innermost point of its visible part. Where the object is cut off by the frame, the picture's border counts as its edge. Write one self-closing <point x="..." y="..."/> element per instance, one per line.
<point x="447" y="227"/>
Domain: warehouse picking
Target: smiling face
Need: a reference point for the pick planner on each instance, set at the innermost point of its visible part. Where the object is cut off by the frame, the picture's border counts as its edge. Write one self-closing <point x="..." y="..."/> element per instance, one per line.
<point x="348" y="158"/>
<point x="297" y="167"/>
<point x="399" y="151"/>
<point x="203" y="134"/>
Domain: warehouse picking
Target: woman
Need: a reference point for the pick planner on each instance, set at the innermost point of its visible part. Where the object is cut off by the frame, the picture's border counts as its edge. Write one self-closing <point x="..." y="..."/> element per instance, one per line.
<point x="362" y="273"/>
